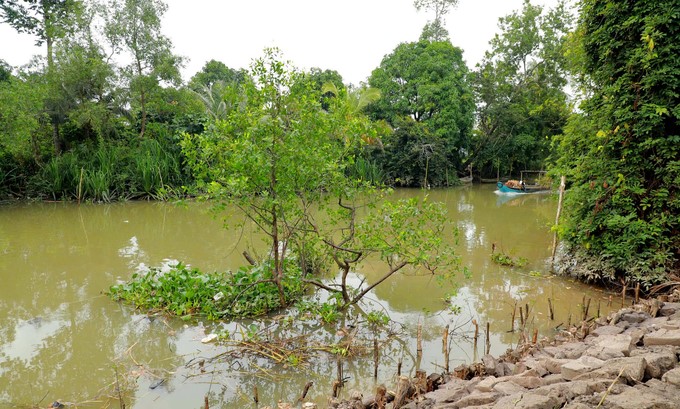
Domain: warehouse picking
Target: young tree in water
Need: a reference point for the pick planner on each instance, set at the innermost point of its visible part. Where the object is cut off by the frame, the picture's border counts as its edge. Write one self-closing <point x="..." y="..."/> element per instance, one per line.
<point x="281" y="159"/>
<point x="134" y="27"/>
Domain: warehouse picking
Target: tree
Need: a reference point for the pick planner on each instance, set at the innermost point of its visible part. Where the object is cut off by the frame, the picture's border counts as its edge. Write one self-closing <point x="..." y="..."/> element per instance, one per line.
<point x="216" y="71"/>
<point x="134" y="27"/>
<point x="279" y="155"/>
<point x="5" y="71"/>
<point x="434" y="30"/>
<point x="440" y="8"/>
<point x="519" y="86"/>
<point x="426" y="81"/>
<point x="22" y="116"/>
<point x="624" y="202"/>
<point x="48" y="21"/>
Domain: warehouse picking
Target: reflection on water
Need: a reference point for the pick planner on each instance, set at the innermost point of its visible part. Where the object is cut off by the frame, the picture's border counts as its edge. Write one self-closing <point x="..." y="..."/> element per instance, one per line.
<point x="61" y="339"/>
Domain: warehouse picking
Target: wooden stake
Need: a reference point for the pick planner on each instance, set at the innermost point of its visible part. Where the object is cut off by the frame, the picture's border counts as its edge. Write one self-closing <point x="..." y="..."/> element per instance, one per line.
<point x="637" y="292"/>
<point x="380" y="397"/>
<point x="399" y="367"/>
<point x="609" y="303"/>
<point x="535" y="339"/>
<point x="401" y="394"/>
<point x="206" y="403"/>
<point x="256" y="398"/>
<point x="419" y="340"/>
<point x="488" y="340"/>
<point x="339" y="370"/>
<point x="598" y="309"/>
<point x="376" y="358"/>
<point x="550" y="309"/>
<point x="521" y="317"/>
<point x="623" y="293"/>
<point x="563" y="183"/>
<point x="305" y="390"/>
<point x="474" y="322"/>
<point x="336" y="388"/>
<point x="512" y="322"/>
<point x="586" y="310"/>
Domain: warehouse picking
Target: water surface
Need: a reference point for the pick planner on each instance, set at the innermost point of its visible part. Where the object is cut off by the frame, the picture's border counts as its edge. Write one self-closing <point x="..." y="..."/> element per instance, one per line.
<point x="62" y="339"/>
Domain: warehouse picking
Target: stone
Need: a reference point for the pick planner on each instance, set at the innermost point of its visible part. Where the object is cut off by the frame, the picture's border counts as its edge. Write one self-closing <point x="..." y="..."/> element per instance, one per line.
<point x="508" y="388"/>
<point x="635" y="317"/>
<point x="663" y="337"/>
<point x="487" y="384"/>
<point x="489" y="364"/>
<point x="671" y="324"/>
<point x="607" y="330"/>
<point x="553" y="378"/>
<point x="669" y="308"/>
<point x="580" y="366"/>
<point x="621" y="342"/>
<point x="529" y="382"/>
<point x="658" y="363"/>
<point x="477" y="399"/>
<point x="554" y="365"/>
<point x="672" y="377"/>
<point x="633" y="398"/>
<point x="604" y="353"/>
<point x="630" y="369"/>
<point x="529" y="401"/>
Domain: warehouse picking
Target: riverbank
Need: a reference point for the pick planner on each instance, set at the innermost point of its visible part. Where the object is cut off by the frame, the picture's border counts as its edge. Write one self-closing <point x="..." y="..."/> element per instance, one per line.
<point x="627" y="360"/>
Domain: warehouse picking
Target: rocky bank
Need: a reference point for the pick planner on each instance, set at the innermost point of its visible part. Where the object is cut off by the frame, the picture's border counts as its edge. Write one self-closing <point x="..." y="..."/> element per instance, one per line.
<point x="628" y="360"/>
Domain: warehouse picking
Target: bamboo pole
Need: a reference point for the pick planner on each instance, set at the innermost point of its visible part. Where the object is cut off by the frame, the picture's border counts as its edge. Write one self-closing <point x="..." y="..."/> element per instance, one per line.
<point x="563" y="183"/>
<point x="445" y="347"/>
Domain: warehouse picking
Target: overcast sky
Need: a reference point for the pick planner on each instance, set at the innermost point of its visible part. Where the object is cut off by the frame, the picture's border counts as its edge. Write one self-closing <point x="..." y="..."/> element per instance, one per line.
<point x="349" y="36"/>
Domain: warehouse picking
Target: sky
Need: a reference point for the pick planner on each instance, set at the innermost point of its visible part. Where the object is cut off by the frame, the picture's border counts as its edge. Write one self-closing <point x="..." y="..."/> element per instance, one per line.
<point x="348" y="36"/>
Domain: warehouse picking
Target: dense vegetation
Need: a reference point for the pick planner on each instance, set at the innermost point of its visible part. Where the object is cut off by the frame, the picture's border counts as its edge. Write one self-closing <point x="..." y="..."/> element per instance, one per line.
<point x="105" y="116"/>
<point x="622" y="151"/>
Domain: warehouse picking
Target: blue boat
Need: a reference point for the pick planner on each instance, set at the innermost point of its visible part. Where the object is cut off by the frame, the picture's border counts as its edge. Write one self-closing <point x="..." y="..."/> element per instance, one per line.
<point x="520" y="187"/>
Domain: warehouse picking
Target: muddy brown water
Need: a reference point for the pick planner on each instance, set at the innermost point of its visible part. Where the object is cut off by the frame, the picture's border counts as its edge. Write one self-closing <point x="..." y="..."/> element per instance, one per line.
<point x="62" y="339"/>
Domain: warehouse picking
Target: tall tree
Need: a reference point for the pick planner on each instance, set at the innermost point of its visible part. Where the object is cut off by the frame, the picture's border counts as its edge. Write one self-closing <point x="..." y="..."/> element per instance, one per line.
<point x="426" y="82"/>
<point x="134" y="28"/>
<point x="519" y="86"/>
<point x="625" y="146"/>
<point x="435" y="29"/>
<point x="48" y="21"/>
<point x="216" y="71"/>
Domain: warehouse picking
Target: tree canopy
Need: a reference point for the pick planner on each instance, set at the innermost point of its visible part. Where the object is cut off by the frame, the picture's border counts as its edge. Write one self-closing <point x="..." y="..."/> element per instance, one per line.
<point x="519" y="86"/>
<point x="624" y="146"/>
<point x="425" y="82"/>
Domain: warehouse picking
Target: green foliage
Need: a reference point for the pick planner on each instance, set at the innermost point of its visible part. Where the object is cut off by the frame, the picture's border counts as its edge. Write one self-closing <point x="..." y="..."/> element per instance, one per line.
<point x="108" y="172"/>
<point x="275" y="154"/>
<point x="181" y="291"/>
<point x="134" y="27"/>
<point x="507" y="260"/>
<point x="519" y="86"/>
<point x="622" y="209"/>
<point x="424" y="82"/>
<point x="216" y="71"/>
